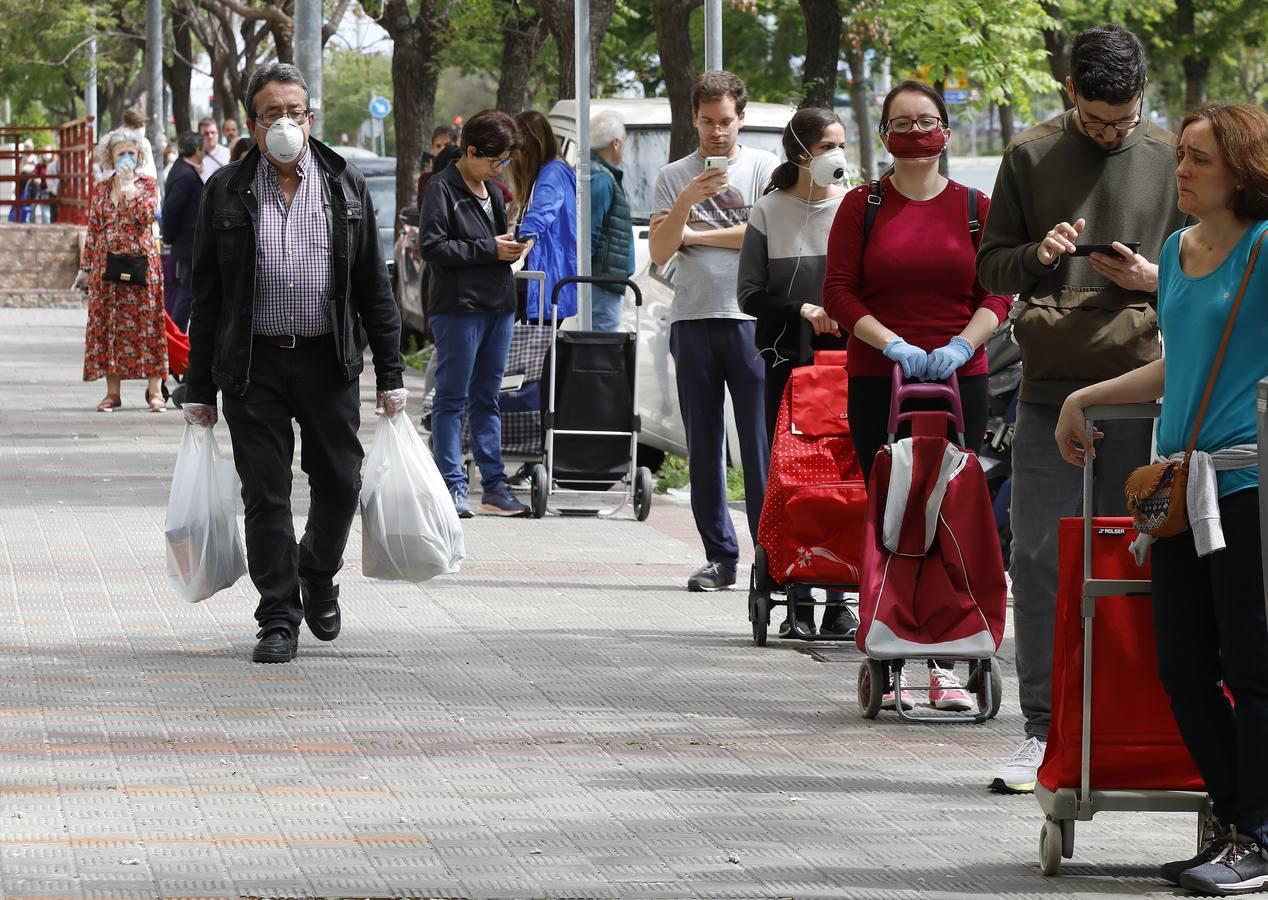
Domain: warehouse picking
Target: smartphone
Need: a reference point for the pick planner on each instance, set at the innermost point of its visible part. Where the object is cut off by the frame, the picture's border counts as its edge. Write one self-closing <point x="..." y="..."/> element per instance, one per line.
<point x="1089" y="249"/>
<point x="716" y="162"/>
<point x="524" y="237"/>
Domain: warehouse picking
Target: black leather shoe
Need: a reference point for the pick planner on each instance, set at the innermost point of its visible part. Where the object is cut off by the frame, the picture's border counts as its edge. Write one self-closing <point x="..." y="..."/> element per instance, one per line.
<point x="321" y="609"/>
<point x="277" y="645"/>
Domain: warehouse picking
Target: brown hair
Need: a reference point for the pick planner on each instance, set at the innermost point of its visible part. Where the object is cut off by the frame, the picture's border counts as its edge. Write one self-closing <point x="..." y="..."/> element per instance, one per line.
<point x="803" y="131"/>
<point x="132" y="118"/>
<point x="537" y="146"/>
<point x="1241" y="133"/>
<point x="716" y="84"/>
<point x="490" y="131"/>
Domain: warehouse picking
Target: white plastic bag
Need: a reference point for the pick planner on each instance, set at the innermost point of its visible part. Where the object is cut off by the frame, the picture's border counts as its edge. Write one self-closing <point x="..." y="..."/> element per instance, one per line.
<point x="409" y="527"/>
<point x="204" y="548"/>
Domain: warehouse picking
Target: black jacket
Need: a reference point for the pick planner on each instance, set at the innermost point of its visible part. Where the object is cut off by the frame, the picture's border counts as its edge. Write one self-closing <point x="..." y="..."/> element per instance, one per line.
<point x="181" y="194"/>
<point x="456" y="239"/>
<point x="223" y="272"/>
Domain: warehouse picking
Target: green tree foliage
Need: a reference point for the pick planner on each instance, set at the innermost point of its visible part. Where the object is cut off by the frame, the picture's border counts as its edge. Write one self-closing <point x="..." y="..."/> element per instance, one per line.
<point x="996" y="42"/>
<point x="349" y="80"/>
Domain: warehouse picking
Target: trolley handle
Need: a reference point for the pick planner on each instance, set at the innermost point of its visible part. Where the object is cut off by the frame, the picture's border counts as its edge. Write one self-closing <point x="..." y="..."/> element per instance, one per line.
<point x="1091" y="415"/>
<point x="540" y="278"/>
<point x="592" y="279"/>
<point x="901" y="391"/>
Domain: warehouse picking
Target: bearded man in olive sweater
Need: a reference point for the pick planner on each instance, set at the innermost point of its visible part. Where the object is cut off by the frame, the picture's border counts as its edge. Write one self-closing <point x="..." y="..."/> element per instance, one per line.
<point x="1098" y="173"/>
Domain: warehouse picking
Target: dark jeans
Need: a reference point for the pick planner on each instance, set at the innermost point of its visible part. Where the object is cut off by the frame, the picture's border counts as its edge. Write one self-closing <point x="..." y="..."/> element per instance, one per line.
<point x="869" y="423"/>
<point x="184" y="294"/>
<point x="1210" y="632"/>
<point x="303" y="385"/>
<point x="712" y="356"/>
<point x="471" y="350"/>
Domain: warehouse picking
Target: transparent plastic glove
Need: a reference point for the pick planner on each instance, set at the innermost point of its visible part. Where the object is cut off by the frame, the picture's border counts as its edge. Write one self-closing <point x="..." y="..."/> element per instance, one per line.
<point x="913" y="360"/>
<point x="203" y="414"/>
<point x="948" y="358"/>
<point x="81" y="281"/>
<point x="391" y="402"/>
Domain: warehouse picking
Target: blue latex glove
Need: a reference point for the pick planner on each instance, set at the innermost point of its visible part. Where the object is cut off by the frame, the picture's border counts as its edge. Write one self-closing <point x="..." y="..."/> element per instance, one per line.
<point x="913" y="360"/>
<point x="948" y="358"/>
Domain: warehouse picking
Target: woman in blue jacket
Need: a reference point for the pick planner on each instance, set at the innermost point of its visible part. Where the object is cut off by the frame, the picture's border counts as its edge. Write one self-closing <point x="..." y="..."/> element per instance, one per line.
<point x="546" y="193"/>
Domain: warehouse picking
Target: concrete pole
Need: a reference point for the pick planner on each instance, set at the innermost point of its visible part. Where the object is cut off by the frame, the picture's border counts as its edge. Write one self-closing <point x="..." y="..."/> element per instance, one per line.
<point x="308" y="21"/>
<point x="712" y="34"/>
<point x="581" y="29"/>
<point x="154" y="75"/>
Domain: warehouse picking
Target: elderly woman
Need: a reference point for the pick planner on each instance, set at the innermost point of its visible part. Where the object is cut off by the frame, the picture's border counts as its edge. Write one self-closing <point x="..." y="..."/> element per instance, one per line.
<point x="123" y="276"/>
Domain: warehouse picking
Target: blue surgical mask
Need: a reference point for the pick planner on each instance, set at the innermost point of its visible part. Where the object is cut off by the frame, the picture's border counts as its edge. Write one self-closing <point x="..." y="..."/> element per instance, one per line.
<point x="127" y="161"/>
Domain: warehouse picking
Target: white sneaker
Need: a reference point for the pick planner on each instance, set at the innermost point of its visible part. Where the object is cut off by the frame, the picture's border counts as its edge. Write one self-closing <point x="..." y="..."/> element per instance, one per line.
<point x="887" y="699"/>
<point x="945" y="691"/>
<point x="1017" y="776"/>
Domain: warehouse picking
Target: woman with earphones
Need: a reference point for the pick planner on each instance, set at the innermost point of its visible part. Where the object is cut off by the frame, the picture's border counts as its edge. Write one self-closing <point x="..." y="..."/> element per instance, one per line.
<point x="781" y="280"/>
<point x="905" y="287"/>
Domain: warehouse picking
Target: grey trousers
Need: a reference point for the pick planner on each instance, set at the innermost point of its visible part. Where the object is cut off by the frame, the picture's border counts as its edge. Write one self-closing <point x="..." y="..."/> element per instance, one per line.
<point x="1046" y="488"/>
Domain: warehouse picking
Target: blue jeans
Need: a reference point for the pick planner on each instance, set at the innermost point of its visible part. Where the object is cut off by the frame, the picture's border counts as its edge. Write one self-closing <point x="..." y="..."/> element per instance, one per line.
<point x="605" y="308"/>
<point x="471" y="350"/>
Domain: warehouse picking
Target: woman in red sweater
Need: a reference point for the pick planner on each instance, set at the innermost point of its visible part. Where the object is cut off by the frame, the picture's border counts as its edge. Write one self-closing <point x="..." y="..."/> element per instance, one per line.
<point x="911" y="297"/>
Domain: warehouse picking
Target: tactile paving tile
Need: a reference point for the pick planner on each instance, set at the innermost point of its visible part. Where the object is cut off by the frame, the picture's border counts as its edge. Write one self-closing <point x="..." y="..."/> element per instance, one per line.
<point x="561" y="720"/>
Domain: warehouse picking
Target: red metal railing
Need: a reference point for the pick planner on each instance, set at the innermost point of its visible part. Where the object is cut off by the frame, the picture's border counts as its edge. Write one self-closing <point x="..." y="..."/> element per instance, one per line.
<point x="74" y="146"/>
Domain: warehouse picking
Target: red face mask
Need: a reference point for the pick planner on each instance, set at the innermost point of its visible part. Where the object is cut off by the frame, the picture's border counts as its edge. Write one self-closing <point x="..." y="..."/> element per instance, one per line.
<point x="917" y="144"/>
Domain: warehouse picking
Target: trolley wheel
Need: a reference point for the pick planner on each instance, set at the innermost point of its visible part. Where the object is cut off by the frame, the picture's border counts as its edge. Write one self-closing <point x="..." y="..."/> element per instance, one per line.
<point x="539" y="481"/>
<point x="759" y="615"/>
<point x="977" y="684"/>
<point x="873" y="676"/>
<point x="1050" y="848"/>
<point x="642" y="493"/>
<point x="761" y="580"/>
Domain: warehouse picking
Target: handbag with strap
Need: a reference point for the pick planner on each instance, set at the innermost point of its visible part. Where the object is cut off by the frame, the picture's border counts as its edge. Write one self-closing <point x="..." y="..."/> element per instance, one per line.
<point x="1155" y="493"/>
<point x="125" y="269"/>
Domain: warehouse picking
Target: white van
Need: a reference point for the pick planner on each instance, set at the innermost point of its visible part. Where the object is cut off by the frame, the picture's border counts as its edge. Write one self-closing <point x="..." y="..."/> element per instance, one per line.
<point x="647" y="152"/>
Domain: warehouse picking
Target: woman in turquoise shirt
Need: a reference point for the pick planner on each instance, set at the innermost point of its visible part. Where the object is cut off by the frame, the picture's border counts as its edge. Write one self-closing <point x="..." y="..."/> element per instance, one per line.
<point x="1209" y="599"/>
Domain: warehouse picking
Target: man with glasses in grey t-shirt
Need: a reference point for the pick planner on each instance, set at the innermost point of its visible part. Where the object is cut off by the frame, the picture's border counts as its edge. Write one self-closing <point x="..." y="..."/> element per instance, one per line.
<point x="703" y="213"/>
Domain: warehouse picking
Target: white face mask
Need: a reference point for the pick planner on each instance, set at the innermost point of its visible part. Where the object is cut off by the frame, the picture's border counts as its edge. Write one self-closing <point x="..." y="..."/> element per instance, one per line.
<point x="284" y="140"/>
<point x="827" y="168"/>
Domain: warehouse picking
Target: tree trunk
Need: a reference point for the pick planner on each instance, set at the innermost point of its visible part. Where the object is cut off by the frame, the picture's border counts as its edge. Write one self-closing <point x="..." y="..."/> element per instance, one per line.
<point x="944" y="161"/>
<point x="861" y="105"/>
<point x="558" y="15"/>
<point x="1006" y="124"/>
<point x="1196" y="66"/>
<point x="678" y="64"/>
<point x="417" y="43"/>
<point x="1056" y="41"/>
<point x="178" y="76"/>
<point x="823" y="44"/>
<point x="522" y="39"/>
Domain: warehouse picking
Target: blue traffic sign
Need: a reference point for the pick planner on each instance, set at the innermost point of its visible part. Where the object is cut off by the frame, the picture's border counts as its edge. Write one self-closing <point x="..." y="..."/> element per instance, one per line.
<point x="956" y="97"/>
<point x="380" y="108"/>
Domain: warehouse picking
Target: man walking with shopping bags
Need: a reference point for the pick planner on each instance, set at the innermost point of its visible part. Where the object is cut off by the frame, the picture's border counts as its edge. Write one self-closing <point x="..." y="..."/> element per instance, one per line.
<point x="287" y="270"/>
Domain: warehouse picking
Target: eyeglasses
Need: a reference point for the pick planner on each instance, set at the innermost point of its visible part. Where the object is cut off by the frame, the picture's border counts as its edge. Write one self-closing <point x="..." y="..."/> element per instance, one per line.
<point x="298" y="116"/>
<point x="1096" y="126"/>
<point x="920" y="123"/>
<point x="497" y="162"/>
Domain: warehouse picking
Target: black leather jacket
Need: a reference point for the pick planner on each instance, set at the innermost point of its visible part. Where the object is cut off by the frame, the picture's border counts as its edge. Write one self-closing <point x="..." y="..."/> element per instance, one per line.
<point x="223" y="274"/>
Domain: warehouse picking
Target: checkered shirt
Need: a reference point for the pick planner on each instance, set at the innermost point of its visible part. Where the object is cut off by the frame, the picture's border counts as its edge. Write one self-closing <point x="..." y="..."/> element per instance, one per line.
<point x="292" y="255"/>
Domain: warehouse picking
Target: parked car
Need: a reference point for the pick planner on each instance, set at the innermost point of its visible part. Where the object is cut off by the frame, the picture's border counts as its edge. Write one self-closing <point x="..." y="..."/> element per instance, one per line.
<point x="646" y="153"/>
<point x="380" y="178"/>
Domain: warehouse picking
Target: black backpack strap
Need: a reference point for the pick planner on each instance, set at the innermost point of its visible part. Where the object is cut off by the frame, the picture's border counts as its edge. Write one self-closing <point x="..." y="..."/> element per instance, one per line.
<point x="875" y="194"/>
<point x="975" y="227"/>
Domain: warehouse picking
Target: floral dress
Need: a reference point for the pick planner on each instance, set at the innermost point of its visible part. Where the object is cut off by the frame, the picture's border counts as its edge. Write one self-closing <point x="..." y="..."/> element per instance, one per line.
<point x="125" y="335"/>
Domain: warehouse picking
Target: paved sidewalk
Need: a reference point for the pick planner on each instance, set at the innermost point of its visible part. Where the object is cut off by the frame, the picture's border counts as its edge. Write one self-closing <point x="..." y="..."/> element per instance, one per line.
<point x="560" y="720"/>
